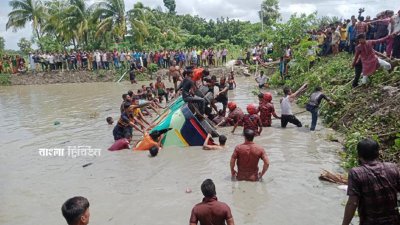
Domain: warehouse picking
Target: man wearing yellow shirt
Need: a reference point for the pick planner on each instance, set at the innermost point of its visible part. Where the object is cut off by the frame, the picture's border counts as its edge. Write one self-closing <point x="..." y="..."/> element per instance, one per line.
<point x="198" y="57"/>
<point x="137" y="115"/>
<point x="343" y="36"/>
<point x="320" y="38"/>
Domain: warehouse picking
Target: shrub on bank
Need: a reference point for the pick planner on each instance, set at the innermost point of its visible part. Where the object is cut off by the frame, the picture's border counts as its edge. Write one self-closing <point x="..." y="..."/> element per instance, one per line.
<point x="5" y="79"/>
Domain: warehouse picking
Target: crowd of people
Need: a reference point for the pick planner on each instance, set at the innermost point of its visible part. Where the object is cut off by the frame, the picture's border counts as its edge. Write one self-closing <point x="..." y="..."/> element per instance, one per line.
<point x="148" y="100"/>
<point x="100" y="59"/>
<point x="342" y="36"/>
<point x="11" y="64"/>
<point x="375" y="42"/>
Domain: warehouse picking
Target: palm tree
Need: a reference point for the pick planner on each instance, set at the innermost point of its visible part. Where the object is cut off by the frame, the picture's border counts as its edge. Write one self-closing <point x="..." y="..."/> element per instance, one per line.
<point x="54" y="21"/>
<point x="112" y="18"/>
<point x="139" y="18"/>
<point x="77" y="20"/>
<point x="269" y="12"/>
<point x="24" y="11"/>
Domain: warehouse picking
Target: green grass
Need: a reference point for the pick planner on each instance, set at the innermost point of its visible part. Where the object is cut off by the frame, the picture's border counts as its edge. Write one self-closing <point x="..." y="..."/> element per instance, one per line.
<point x="5" y="79"/>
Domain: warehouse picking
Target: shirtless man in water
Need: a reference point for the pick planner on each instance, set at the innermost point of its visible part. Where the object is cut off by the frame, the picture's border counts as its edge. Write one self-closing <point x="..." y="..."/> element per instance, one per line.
<point x="222" y="141"/>
<point x="175" y="72"/>
<point x="246" y="156"/>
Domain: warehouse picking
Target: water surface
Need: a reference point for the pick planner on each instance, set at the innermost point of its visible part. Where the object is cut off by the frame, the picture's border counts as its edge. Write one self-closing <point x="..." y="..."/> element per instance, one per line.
<point x="128" y="187"/>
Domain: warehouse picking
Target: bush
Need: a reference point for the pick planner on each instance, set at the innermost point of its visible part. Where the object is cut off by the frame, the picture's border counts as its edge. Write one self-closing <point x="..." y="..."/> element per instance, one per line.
<point x="141" y="76"/>
<point x="5" y="79"/>
<point x="152" y="68"/>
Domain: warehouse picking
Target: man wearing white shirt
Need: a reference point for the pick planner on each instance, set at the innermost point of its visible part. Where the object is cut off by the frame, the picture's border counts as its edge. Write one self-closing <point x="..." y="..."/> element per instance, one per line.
<point x="194" y="56"/>
<point x="122" y="58"/>
<point x="31" y="62"/>
<point x="224" y="54"/>
<point x="51" y="61"/>
<point x="98" y="59"/>
<point x="262" y="80"/>
<point x="395" y="30"/>
<point x="104" y="60"/>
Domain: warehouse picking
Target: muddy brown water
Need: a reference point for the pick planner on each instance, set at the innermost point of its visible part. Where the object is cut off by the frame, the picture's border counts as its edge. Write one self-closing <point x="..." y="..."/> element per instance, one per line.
<point x="128" y="187"/>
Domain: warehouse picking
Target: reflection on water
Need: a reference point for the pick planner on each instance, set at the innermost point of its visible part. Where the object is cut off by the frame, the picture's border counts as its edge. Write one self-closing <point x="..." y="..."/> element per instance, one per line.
<point x="129" y="187"/>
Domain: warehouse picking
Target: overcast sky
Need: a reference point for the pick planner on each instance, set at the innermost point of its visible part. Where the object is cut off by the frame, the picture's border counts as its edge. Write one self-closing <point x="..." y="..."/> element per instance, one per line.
<point x="235" y="9"/>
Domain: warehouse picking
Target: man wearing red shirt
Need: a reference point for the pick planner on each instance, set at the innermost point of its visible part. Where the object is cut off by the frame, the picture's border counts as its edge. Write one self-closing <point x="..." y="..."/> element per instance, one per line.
<point x="251" y="120"/>
<point x="361" y="26"/>
<point x="247" y="156"/>
<point x="267" y="109"/>
<point x="235" y="115"/>
<point x="370" y="62"/>
<point x="211" y="211"/>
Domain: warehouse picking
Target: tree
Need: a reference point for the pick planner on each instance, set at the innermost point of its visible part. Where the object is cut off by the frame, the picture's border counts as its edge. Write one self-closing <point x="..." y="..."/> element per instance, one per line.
<point x="170" y="5"/>
<point x="56" y="13"/>
<point x="58" y="24"/>
<point x="138" y="17"/>
<point x="111" y="15"/>
<point x="269" y="12"/>
<point x="289" y="33"/>
<point x="2" y="44"/>
<point x="77" y="21"/>
<point x="24" y="45"/>
<point x="24" y="11"/>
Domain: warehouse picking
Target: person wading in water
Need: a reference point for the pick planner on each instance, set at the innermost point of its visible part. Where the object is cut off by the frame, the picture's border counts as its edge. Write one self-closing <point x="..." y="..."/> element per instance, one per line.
<point x="286" y="107"/>
<point x="313" y="105"/>
<point x="246" y="156"/>
<point x="211" y="211"/>
<point x="175" y="72"/>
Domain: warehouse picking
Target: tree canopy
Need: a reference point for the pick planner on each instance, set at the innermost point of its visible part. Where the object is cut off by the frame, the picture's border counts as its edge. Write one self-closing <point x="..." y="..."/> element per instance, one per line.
<point x="170" y="5"/>
<point x="269" y="12"/>
<point x="24" y="45"/>
<point x="63" y="24"/>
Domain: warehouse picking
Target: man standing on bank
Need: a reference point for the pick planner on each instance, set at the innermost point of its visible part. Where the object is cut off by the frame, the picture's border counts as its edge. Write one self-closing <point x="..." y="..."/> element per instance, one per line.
<point x="373" y="188"/>
<point x="211" y="211"/>
<point x="247" y="156"/>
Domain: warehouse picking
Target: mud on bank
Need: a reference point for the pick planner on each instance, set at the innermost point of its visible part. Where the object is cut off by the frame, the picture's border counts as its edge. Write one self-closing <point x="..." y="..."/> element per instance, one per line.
<point x="96" y="76"/>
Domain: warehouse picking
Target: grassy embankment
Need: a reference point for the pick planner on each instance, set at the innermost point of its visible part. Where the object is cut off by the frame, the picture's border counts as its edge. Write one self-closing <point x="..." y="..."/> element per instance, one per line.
<point x="366" y="111"/>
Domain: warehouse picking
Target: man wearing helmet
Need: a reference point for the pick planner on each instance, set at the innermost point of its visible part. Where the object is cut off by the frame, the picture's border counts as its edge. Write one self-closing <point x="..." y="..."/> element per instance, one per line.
<point x="199" y="74"/>
<point x="266" y="109"/>
<point x="251" y="121"/>
<point x="235" y="115"/>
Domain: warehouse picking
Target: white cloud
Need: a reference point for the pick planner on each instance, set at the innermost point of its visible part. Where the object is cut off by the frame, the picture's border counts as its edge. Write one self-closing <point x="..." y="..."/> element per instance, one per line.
<point x="234" y="9"/>
<point x="300" y="8"/>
